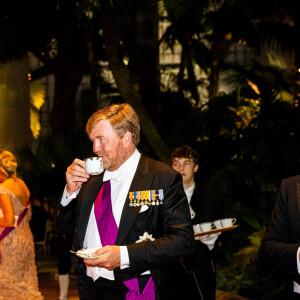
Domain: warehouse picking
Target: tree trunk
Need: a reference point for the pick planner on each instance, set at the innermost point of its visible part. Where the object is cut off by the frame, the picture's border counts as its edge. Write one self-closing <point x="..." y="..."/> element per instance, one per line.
<point x="14" y="105"/>
<point x="139" y="29"/>
<point x="218" y="49"/>
<point x="62" y="119"/>
<point x="127" y="88"/>
<point x="68" y="67"/>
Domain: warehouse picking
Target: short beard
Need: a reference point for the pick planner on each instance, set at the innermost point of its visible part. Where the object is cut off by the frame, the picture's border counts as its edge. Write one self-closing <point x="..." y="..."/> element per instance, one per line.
<point x="120" y="158"/>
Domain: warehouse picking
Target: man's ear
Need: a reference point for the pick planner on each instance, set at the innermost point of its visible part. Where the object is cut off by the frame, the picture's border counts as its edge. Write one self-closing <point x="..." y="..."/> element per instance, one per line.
<point x="127" y="137"/>
<point x="196" y="167"/>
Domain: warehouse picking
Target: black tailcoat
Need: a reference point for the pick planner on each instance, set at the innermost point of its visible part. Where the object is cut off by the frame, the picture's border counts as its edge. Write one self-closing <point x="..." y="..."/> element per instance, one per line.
<point x="197" y="272"/>
<point x="282" y="239"/>
<point x="169" y="224"/>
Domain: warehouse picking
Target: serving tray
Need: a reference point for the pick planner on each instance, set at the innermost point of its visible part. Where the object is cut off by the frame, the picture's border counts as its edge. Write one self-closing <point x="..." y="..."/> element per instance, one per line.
<point x="216" y="230"/>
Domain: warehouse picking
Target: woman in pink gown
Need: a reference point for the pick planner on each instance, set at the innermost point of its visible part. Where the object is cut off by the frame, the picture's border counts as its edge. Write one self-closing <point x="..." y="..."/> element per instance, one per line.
<point x="18" y="274"/>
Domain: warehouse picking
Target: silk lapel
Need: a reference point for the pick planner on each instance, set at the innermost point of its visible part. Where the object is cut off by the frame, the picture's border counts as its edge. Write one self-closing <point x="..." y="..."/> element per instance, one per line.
<point x="141" y="181"/>
<point x="87" y="197"/>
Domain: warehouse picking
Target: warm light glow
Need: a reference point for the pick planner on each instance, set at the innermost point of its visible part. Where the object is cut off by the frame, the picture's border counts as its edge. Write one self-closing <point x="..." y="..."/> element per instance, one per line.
<point x="125" y="61"/>
<point x="228" y="36"/>
<point x="253" y="86"/>
<point x="37" y="99"/>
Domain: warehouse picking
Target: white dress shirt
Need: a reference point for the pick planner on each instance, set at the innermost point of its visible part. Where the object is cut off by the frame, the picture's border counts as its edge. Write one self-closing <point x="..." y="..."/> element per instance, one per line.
<point x="189" y="193"/>
<point x="120" y="181"/>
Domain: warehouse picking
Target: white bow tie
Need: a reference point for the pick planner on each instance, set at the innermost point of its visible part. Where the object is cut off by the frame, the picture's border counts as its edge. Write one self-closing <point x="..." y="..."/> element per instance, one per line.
<point x="116" y="176"/>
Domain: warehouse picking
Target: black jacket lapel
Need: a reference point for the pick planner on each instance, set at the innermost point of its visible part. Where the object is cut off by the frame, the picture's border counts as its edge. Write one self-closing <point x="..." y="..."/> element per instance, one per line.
<point x="141" y="180"/>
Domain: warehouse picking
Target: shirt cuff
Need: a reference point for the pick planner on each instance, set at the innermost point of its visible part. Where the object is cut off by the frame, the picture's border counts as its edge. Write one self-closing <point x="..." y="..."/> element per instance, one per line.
<point x="124" y="257"/>
<point x="67" y="198"/>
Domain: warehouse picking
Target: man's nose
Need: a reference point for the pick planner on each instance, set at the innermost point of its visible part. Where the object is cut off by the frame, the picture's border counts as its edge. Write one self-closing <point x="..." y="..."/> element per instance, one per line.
<point x="181" y="167"/>
<point x="96" y="146"/>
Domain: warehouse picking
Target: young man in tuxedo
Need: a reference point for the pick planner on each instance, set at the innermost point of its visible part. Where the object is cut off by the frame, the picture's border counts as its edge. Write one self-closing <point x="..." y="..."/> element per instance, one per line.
<point x="196" y="273"/>
<point x="135" y="212"/>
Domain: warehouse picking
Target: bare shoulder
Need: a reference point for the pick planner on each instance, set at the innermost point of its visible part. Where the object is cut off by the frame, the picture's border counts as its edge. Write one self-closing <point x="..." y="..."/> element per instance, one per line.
<point x="8" y="183"/>
<point x="23" y="186"/>
<point x="18" y="187"/>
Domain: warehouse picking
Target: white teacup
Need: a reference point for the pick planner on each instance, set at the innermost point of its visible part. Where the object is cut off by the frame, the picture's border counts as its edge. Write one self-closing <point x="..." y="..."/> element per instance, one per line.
<point x="206" y="226"/>
<point x="228" y="222"/>
<point x="94" y="165"/>
<point x="196" y="228"/>
<point x="217" y="224"/>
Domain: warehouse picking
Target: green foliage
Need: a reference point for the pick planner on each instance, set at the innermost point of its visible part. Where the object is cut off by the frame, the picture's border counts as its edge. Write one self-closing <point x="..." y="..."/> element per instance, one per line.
<point x="245" y="276"/>
<point x="243" y="157"/>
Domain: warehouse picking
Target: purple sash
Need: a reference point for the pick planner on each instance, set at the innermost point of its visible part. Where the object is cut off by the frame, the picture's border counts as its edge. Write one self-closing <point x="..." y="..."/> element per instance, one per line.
<point x="108" y="231"/>
<point x="106" y="223"/>
<point x="7" y="230"/>
<point x="134" y="290"/>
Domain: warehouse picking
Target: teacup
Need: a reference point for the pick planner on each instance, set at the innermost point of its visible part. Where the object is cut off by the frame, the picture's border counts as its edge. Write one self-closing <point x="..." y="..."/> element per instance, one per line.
<point x="206" y="226"/>
<point x="94" y="165"/>
<point x="196" y="228"/>
<point x="217" y="224"/>
<point x="228" y="222"/>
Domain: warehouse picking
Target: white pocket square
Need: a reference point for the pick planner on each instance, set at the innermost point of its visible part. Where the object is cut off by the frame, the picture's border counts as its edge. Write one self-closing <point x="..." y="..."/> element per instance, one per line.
<point x="144" y="208"/>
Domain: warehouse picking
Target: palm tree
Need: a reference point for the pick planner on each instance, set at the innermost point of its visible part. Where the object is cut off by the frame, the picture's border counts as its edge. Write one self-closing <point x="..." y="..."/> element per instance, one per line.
<point x="66" y="36"/>
<point x="138" y="82"/>
<point x="208" y="29"/>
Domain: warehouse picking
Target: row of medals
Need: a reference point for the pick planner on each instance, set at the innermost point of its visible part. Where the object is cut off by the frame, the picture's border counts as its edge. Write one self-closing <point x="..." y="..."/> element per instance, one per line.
<point x="150" y="197"/>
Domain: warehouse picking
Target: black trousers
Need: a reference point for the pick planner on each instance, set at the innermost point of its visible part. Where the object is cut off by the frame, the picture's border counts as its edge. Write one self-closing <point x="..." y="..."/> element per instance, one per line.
<point x="80" y="269"/>
<point x="65" y="263"/>
<point x="105" y="289"/>
<point x="295" y="296"/>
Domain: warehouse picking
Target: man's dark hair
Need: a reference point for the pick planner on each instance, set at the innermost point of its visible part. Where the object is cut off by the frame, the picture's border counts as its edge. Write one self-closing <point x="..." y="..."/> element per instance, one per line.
<point x="185" y="151"/>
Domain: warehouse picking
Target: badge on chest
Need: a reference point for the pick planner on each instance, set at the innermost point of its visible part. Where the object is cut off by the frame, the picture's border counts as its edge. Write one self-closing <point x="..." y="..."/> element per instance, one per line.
<point x="149" y="197"/>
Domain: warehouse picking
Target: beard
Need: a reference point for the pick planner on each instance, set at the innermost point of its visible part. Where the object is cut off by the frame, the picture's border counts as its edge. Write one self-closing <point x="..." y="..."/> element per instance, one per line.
<point x="113" y="161"/>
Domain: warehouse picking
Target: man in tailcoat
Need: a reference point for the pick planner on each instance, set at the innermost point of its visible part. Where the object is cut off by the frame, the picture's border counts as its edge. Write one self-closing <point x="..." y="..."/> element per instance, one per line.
<point x="149" y="209"/>
<point x="280" y="246"/>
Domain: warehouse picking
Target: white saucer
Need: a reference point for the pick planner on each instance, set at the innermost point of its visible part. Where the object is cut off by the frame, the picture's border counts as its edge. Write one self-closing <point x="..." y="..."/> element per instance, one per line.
<point x="87" y="253"/>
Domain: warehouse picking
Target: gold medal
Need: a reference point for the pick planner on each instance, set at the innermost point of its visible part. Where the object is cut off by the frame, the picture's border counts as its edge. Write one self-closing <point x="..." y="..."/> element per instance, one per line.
<point x="131" y="197"/>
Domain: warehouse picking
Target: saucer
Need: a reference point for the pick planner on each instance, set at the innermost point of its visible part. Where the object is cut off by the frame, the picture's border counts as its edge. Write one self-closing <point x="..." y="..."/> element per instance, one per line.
<point x="87" y="253"/>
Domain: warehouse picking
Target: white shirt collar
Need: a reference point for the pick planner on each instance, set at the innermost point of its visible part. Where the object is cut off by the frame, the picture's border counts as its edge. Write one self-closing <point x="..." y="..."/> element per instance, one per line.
<point x="189" y="192"/>
<point x="124" y="168"/>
